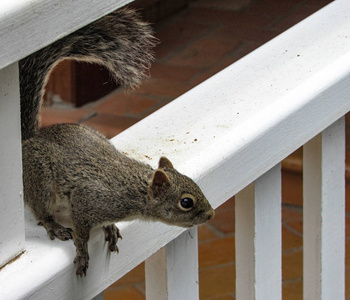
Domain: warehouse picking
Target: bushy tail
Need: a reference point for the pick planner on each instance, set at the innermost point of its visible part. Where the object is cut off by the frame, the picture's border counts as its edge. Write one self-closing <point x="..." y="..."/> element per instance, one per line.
<point x="120" y="41"/>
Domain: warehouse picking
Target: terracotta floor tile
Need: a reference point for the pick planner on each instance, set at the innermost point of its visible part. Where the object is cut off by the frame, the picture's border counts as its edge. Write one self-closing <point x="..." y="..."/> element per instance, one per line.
<point x="274" y="8"/>
<point x="217" y="281"/>
<point x="291" y="214"/>
<point x="224" y="4"/>
<point x="295" y="226"/>
<point x="347" y="283"/>
<point x="295" y="17"/>
<point x="211" y="17"/>
<point x="176" y="33"/>
<point x="246" y="33"/>
<point x="136" y="275"/>
<point x="50" y="116"/>
<point x="229" y="204"/>
<point x="205" y="52"/>
<point x="347" y="194"/>
<point x="110" y="125"/>
<point x="205" y="233"/>
<point x="347" y="253"/>
<point x="292" y="265"/>
<point x="177" y="73"/>
<point x="290" y="240"/>
<point x="319" y="2"/>
<point x="292" y="191"/>
<point x="224" y="221"/>
<point x="142" y="288"/>
<point x="168" y="89"/>
<point x="257" y="20"/>
<point x="123" y="294"/>
<point x="222" y="63"/>
<point x="225" y="297"/>
<point x="292" y="290"/>
<point x="120" y="104"/>
<point x="292" y="218"/>
<point x="217" y="252"/>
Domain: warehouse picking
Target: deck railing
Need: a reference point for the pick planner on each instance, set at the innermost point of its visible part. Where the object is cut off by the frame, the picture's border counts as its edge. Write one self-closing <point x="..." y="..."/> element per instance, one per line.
<point x="229" y="133"/>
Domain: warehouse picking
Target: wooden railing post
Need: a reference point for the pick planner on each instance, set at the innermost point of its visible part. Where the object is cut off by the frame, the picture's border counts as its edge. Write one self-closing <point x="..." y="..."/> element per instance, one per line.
<point x="324" y="214"/>
<point x="11" y="203"/>
<point x="172" y="272"/>
<point x="258" y="238"/>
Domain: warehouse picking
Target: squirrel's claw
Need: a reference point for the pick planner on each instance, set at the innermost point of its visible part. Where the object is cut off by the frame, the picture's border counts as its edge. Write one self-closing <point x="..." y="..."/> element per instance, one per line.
<point x="112" y="234"/>
<point x="82" y="264"/>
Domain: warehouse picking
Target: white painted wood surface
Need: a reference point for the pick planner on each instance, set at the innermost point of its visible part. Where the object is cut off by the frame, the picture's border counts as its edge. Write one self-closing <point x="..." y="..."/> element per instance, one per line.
<point x="294" y="86"/>
<point x="172" y="272"/>
<point x="11" y="202"/>
<point x="258" y="238"/>
<point x="27" y="26"/>
<point x="324" y="214"/>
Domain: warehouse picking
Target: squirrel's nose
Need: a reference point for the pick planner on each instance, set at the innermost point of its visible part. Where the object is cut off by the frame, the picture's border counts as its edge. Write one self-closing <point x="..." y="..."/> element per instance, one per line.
<point x="211" y="214"/>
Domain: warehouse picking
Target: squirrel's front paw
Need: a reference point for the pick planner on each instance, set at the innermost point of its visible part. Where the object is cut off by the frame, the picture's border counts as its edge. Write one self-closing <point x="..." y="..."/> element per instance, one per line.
<point x="112" y="234"/>
<point x="64" y="234"/>
<point x="82" y="264"/>
<point x="56" y="230"/>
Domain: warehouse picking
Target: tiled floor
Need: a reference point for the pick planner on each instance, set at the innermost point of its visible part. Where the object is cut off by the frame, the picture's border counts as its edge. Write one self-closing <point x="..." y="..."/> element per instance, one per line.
<point x="196" y="43"/>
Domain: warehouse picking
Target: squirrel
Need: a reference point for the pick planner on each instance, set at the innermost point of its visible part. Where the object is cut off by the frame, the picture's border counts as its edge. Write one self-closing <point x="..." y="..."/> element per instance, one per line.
<point x="73" y="177"/>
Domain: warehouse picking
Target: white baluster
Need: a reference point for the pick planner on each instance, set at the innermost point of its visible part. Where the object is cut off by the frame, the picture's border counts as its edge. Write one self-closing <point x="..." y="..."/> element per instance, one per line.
<point x="258" y="238"/>
<point x="172" y="272"/>
<point x="324" y="214"/>
<point x="11" y="203"/>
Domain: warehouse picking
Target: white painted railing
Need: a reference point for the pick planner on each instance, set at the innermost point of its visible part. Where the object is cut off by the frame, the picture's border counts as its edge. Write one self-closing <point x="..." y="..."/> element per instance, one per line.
<point x="230" y="134"/>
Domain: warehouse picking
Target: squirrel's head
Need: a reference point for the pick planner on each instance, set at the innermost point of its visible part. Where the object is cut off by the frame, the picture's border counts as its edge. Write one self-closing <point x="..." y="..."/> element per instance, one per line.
<point x="176" y="199"/>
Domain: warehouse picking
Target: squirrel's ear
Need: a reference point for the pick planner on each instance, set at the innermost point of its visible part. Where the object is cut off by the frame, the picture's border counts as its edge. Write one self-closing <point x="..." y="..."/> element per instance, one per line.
<point x="165" y="163"/>
<point x="160" y="182"/>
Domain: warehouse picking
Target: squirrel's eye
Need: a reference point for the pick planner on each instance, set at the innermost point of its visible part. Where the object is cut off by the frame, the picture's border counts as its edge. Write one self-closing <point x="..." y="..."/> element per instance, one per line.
<point x="186" y="203"/>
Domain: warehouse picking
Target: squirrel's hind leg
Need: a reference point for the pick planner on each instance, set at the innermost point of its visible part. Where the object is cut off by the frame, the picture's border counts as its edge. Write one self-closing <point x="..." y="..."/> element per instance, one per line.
<point x="112" y="234"/>
<point x="56" y="230"/>
<point x="43" y="195"/>
<point x="81" y="238"/>
<point x="81" y="232"/>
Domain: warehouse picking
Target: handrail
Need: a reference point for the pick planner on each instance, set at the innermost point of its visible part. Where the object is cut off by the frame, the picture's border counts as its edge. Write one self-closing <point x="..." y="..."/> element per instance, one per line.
<point x="224" y="133"/>
<point x="27" y="26"/>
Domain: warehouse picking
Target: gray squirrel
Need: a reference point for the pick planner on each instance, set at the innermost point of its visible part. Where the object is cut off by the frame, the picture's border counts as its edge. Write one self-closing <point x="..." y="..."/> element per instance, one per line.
<point x="74" y="179"/>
